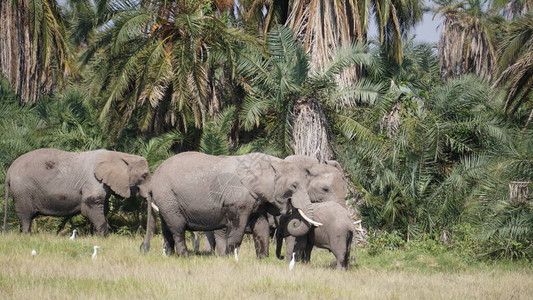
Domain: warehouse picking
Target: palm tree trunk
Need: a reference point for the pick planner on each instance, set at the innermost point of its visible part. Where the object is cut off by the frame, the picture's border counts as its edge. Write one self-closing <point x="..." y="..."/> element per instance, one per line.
<point x="310" y="131"/>
<point x="18" y="55"/>
<point x="323" y="26"/>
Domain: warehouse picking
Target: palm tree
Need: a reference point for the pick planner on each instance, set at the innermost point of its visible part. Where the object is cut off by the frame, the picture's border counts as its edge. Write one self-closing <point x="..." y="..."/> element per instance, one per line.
<point x="516" y="64"/>
<point x="286" y="94"/>
<point x="513" y="8"/>
<point x="421" y="178"/>
<point x="394" y="20"/>
<point x="154" y="63"/>
<point x="35" y="54"/>
<point x="467" y="40"/>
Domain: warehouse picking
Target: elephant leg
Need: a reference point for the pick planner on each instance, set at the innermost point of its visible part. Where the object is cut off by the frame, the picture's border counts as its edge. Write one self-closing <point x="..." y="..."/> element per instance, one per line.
<point x="93" y="208"/>
<point x="25" y="214"/>
<point x="235" y="234"/>
<point x="279" y="244"/>
<point x="280" y="235"/>
<point x="220" y="239"/>
<point x="181" y="246"/>
<point x="168" y="239"/>
<point x="298" y="245"/>
<point x="209" y="241"/>
<point x="290" y="247"/>
<point x="196" y="242"/>
<point x="25" y="223"/>
<point x="341" y="249"/>
<point x="307" y="252"/>
<point x="261" y="233"/>
<point x="178" y="233"/>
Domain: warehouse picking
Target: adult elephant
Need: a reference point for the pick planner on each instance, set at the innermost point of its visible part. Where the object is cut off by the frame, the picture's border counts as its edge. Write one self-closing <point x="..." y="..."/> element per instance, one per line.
<point x="326" y="184"/>
<point x="200" y="192"/>
<point x="58" y="183"/>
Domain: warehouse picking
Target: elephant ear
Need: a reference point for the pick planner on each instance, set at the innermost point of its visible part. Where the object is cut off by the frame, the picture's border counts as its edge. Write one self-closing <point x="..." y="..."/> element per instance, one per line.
<point x="112" y="170"/>
<point x="258" y="177"/>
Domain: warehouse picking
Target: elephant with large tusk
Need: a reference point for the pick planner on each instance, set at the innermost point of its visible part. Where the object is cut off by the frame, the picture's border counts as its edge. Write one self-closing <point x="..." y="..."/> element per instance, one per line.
<point x="200" y="192"/>
<point x="58" y="183"/>
<point x="326" y="184"/>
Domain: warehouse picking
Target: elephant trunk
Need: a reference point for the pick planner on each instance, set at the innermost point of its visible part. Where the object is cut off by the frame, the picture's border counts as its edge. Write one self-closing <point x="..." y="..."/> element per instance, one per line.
<point x="301" y="220"/>
<point x="150" y="224"/>
<point x="297" y="225"/>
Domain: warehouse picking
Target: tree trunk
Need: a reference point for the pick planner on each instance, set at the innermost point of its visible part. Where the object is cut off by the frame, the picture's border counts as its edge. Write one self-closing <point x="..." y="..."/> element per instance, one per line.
<point x="519" y="191"/>
<point x="323" y="26"/>
<point x="310" y="131"/>
<point x="18" y="55"/>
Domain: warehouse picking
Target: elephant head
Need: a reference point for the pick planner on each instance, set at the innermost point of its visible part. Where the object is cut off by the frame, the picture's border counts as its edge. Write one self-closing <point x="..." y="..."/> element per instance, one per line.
<point x="125" y="174"/>
<point x="283" y="185"/>
<point x="326" y="181"/>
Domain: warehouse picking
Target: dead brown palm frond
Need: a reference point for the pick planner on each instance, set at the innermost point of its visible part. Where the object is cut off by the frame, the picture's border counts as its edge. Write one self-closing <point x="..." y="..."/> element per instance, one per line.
<point x="224" y="5"/>
<point x="513" y="8"/>
<point x="519" y="78"/>
<point x="324" y="26"/>
<point x="466" y="43"/>
<point x="35" y="53"/>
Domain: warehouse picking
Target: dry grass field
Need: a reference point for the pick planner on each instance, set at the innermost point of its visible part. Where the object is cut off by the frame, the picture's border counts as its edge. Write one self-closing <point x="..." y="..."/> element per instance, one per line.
<point x="63" y="269"/>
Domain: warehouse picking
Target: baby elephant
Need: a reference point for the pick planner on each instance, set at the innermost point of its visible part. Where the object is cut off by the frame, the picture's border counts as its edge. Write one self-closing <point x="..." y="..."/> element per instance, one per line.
<point x="335" y="235"/>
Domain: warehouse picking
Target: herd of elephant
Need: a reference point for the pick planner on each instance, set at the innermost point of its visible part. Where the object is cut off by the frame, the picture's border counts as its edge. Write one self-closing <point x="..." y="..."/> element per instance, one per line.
<point x="223" y="195"/>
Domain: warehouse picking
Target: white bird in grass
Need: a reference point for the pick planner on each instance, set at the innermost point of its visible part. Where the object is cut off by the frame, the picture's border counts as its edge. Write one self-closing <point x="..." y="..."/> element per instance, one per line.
<point x="73" y="236"/>
<point x="33" y="252"/>
<point x="95" y="253"/>
<point x="236" y="254"/>
<point x="293" y="261"/>
<point x="165" y="252"/>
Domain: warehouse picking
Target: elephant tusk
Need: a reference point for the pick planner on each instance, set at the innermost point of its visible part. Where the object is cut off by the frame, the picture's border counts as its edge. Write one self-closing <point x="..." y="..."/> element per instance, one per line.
<point x="154" y="207"/>
<point x="309" y="219"/>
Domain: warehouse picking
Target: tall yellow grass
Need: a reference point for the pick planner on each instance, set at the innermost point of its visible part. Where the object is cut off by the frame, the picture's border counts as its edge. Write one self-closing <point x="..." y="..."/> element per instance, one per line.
<point x="63" y="269"/>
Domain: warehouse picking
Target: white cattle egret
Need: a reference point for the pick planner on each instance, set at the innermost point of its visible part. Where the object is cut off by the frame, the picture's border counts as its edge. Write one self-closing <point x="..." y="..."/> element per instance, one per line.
<point x="73" y="236"/>
<point x="95" y="253"/>
<point x="33" y="252"/>
<point x="293" y="261"/>
<point x="165" y="251"/>
<point x="236" y="254"/>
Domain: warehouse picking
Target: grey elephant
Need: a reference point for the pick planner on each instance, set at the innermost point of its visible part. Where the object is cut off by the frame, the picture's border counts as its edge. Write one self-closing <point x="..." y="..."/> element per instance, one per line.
<point x="335" y="235"/>
<point x="199" y="192"/>
<point x="326" y="184"/>
<point x="57" y="183"/>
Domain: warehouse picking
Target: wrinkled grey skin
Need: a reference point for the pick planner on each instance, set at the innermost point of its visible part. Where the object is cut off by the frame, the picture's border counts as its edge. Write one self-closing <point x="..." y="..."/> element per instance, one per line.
<point x="57" y="183"/>
<point x="326" y="184"/>
<point x="335" y="235"/>
<point x="200" y="192"/>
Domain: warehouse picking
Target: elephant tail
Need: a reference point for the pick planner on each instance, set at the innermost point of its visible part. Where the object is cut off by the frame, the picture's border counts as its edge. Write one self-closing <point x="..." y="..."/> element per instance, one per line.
<point x="150" y="224"/>
<point x="6" y="204"/>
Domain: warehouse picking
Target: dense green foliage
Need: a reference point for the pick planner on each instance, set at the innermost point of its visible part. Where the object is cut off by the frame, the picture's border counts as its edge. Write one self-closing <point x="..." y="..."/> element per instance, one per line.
<point x="429" y="160"/>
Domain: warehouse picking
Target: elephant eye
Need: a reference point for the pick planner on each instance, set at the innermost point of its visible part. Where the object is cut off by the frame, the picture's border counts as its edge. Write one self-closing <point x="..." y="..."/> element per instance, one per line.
<point x="325" y="190"/>
<point x="294" y="185"/>
<point x="144" y="175"/>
